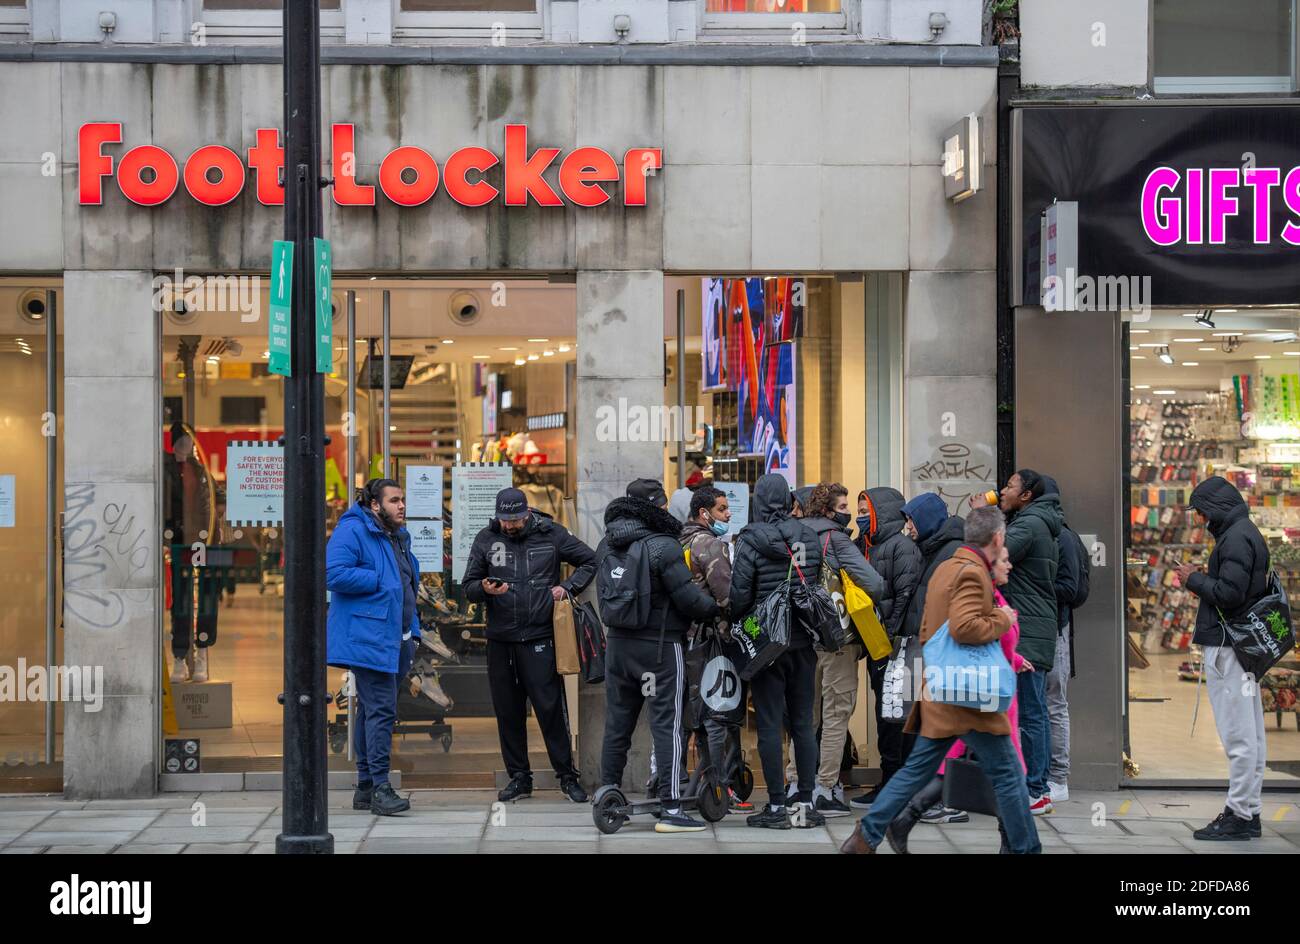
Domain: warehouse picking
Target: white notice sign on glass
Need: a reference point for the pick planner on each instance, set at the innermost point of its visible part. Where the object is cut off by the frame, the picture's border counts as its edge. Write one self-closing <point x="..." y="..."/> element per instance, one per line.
<point x="424" y="491"/>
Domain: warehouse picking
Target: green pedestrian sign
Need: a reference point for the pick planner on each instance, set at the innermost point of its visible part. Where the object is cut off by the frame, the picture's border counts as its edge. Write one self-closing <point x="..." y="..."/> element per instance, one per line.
<point x="281" y="307"/>
<point x="323" y="258"/>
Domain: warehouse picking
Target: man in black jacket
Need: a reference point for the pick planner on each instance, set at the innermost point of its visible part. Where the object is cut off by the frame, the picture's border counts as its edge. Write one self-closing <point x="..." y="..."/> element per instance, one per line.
<point x="897" y="558"/>
<point x="514" y="567"/>
<point x="1071" y="584"/>
<point x="645" y="664"/>
<point x="1235" y="580"/>
<point x="766" y="550"/>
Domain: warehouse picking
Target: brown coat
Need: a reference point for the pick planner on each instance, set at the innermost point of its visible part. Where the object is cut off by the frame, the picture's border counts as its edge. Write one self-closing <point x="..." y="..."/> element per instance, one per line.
<point x="961" y="593"/>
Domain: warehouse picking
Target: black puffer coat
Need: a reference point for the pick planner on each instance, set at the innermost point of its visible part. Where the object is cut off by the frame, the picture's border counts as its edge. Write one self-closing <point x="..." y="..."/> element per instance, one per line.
<point x="893" y="554"/>
<point x="529" y="563"/>
<point x="935" y="549"/>
<point x="762" y="560"/>
<point x="675" y="601"/>
<point x="1031" y="589"/>
<point x="1237" y="573"/>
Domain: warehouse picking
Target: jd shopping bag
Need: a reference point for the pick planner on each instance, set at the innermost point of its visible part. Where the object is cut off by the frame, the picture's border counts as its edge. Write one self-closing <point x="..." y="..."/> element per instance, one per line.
<point x="591" y="642"/>
<point x="1264" y="633"/>
<point x="765" y="634"/>
<point x="976" y="677"/>
<point x="567" y="661"/>
<point x="716" y="690"/>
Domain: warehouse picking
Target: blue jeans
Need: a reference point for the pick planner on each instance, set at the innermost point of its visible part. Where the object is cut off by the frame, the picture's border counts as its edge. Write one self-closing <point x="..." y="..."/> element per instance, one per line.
<point x="998" y="757"/>
<point x="1035" y="729"/>
<point x="375" y="715"/>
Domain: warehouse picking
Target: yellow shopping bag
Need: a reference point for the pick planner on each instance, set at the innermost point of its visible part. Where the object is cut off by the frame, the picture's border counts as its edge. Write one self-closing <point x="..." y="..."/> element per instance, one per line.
<point x="862" y="610"/>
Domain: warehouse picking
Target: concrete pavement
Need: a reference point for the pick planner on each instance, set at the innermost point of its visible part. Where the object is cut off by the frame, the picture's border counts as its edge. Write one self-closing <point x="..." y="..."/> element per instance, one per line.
<point x="1124" y="822"/>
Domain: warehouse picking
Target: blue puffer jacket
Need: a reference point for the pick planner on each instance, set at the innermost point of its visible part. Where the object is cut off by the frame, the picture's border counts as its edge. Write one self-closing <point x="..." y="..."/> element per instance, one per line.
<point x="364" y="627"/>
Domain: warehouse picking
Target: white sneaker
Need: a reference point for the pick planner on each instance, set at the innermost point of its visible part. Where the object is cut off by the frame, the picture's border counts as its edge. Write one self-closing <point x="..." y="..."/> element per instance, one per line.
<point x="180" y="670"/>
<point x="200" y="673"/>
<point x="1059" y="792"/>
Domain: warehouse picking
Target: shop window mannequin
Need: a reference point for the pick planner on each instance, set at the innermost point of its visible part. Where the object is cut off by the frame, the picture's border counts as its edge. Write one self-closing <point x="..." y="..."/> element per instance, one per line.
<point x="195" y="589"/>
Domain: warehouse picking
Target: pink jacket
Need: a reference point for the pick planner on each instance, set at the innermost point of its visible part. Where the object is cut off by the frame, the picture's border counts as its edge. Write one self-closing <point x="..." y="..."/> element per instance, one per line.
<point x="1008" y="640"/>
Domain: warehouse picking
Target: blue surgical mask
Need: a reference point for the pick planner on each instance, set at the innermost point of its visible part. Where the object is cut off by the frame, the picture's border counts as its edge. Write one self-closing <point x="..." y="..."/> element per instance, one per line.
<point x="719" y="528"/>
<point x="864" y="523"/>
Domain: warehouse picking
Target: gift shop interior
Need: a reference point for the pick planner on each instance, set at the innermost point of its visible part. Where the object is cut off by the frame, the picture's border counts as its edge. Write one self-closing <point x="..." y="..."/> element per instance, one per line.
<point x="1212" y="392"/>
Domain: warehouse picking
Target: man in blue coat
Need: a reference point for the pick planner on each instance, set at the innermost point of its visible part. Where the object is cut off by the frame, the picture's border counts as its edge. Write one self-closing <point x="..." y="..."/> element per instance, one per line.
<point x="372" y="628"/>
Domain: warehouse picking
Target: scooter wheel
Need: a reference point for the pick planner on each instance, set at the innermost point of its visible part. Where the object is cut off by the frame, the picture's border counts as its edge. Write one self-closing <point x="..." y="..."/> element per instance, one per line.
<point x="711" y="800"/>
<point x="607" y="809"/>
<point x="745" y="782"/>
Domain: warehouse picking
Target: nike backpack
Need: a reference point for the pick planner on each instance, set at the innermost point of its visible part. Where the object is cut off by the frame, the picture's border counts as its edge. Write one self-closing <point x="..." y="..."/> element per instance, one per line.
<point x="623" y="586"/>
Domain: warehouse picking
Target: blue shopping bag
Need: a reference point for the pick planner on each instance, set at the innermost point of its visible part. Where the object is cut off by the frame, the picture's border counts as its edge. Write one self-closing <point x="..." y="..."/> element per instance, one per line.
<point x="977" y="677"/>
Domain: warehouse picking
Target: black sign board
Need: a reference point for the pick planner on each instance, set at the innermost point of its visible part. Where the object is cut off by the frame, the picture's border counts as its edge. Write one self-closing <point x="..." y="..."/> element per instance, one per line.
<point x="1205" y="200"/>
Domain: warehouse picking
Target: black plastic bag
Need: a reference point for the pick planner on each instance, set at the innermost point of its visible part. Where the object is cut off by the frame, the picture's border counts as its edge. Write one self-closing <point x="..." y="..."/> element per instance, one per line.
<point x="1263" y="634"/>
<point x="818" y="614"/>
<point x="764" y="635"/>
<point x="591" y="642"/>
<point x="714" y="684"/>
<point x="967" y="787"/>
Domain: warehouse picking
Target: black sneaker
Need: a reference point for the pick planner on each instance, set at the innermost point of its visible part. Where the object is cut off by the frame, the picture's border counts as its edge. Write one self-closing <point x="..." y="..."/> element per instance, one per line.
<point x="1226" y="827"/>
<point x="678" y="822"/>
<point x="570" y="787"/>
<point x="806" y="817"/>
<point x="830" y="807"/>
<point x="769" y="818"/>
<point x="384" y="801"/>
<point x="864" y="802"/>
<point x="1256" y="831"/>
<point x="519" y="788"/>
<point x="361" y="796"/>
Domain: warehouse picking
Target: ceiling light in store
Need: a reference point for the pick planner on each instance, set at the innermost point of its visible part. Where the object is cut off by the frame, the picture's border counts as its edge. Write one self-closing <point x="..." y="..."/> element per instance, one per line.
<point x="392" y="429"/>
<point x="1205" y="349"/>
<point x="1141" y="386"/>
<point x="1165" y="356"/>
<point x="538" y="340"/>
<point x="1140" y="331"/>
<point x="1226" y="334"/>
<point x="1228" y="311"/>
<point x="519" y="362"/>
<point x="1263" y="357"/>
<point x="548" y="353"/>
<point x="266" y="355"/>
<point x="482" y="357"/>
<point x="448" y="341"/>
<point x="1156" y="344"/>
<point x="1206" y="318"/>
<point x="1269" y="335"/>
<point x="507" y="349"/>
<point x="1191" y="363"/>
<point x="1164" y="393"/>
<point x="1188" y="340"/>
<point x="213" y="359"/>
<point x="1133" y="347"/>
<point x="1291" y="353"/>
<point x="533" y="357"/>
<point x="1138" y="357"/>
<point x="564" y="349"/>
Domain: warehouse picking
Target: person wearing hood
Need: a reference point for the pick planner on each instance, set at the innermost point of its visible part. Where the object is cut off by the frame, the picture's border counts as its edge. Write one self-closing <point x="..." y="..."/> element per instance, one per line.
<point x="799" y="503"/>
<point x="835" y="683"/>
<point x="514" y="569"/>
<point x="938" y="535"/>
<point x="653" y="650"/>
<point x="1034" y="522"/>
<point x="372" y="628"/>
<point x="766" y="550"/>
<point x="679" y="505"/>
<point x="897" y="558"/>
<point x="1235" y="579"/>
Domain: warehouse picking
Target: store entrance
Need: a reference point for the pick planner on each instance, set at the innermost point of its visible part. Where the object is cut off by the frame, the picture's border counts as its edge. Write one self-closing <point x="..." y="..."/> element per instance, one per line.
<point x="1212" y="393"/>
<point x="434" y="383"/>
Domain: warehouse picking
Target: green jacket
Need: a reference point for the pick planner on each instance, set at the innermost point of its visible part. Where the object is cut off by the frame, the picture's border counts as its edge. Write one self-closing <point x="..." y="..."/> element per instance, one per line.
<point x="1031" y="543"/>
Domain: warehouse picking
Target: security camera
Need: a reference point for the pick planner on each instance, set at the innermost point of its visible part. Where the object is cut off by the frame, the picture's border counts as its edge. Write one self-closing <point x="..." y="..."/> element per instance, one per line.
<point x="622" y="26"/>
<point x="463" y="308"/>
<point x="31" y="306"/>
<point x="107" y="21"/>
<point x="938" y="23"/>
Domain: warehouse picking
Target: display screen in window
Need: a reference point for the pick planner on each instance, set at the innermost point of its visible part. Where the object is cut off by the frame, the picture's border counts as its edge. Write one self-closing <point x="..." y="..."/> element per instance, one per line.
<point x="1211" y="38"/>
<point x="211" y="5"/>
<point x="470" y="6"/>
<point x="773" y="6"/>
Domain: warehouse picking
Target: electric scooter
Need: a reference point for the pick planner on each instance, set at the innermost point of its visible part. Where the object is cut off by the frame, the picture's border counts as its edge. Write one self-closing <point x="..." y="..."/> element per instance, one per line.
<point x="610" y="809"/>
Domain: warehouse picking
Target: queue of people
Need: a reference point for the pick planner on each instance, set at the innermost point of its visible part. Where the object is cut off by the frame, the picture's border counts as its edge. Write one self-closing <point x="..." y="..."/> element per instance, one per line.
<point x="1012" y="573"/>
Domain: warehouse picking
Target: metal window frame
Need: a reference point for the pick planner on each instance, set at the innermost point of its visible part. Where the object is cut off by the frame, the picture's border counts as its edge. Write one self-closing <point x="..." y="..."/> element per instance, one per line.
<point x="16" y="21"/>
<point x="467" y="24"/>
<point x="820" y="26"/>
<point x="257" y="24"/>
<point x="1226" y="84"/>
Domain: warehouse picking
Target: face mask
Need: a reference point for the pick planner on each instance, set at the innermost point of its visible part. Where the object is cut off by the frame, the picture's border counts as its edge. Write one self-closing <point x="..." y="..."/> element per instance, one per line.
<point x="718" y="527"/>
<point x="841" y="518"/>
<point x="864" y="523"/>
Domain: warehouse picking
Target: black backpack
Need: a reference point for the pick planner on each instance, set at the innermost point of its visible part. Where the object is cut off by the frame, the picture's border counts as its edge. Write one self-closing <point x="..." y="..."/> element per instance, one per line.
<point x="623" y="586"/>
<point x="1076" y="550"/>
